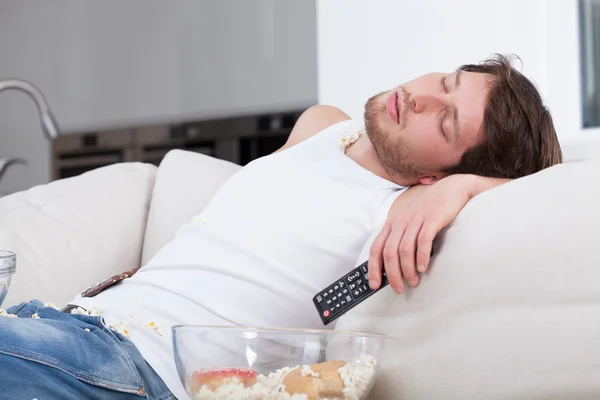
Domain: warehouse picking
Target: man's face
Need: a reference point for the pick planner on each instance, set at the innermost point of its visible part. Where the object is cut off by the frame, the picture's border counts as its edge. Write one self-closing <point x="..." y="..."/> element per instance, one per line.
<point x="424" y="126"/>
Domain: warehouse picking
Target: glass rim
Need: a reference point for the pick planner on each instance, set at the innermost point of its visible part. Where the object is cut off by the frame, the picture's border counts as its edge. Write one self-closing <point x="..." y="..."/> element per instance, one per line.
<point x="8" y="262"/>
<point x="297" y="331"/>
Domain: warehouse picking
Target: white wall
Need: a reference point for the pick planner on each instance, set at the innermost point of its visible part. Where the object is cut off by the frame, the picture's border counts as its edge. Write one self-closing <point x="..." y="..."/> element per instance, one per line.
<point x="111" y="62"/>
<point x="366" y="47"/>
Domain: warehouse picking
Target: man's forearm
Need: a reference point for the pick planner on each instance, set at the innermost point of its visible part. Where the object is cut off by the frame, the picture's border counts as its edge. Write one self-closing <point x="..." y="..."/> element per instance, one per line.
<point x="479" y="184"/>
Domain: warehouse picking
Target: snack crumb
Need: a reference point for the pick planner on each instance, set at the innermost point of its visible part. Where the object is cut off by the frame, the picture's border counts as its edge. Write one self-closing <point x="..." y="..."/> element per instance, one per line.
<point x="120" y="327"/>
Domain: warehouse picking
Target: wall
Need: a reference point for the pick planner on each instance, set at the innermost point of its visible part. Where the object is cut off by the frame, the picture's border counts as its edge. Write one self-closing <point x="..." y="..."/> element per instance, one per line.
<point x="367" y="47"/>
<point x="111" y="63"/>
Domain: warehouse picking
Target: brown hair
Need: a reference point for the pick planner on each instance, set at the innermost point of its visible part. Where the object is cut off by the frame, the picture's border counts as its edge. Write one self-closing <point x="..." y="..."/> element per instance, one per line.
<point x="519" y="135"/>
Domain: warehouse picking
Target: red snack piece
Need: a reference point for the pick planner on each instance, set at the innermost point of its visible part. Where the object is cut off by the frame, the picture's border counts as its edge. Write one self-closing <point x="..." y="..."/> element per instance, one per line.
<point x="214" y="378"/>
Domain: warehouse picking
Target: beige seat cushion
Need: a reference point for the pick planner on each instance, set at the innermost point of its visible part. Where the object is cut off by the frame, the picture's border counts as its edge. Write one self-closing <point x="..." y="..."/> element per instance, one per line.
<point x="185" y="182"/>
<point x="511" y="306"/>
<point x="75" y="232"/>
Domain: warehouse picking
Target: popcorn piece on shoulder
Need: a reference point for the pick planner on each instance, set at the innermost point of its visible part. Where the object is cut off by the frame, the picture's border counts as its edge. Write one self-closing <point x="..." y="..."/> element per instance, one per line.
<point x="87" y="329"/>
<point x="35" y="316"/>
<point x="120" y="327"/>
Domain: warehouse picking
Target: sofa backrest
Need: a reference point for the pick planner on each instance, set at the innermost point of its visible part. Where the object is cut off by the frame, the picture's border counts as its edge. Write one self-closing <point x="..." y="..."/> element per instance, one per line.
<point x="185" y="182"/>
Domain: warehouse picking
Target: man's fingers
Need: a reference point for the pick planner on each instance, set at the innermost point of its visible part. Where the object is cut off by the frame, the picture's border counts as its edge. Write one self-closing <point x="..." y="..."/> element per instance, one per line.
<point x="391" y="259"/>
<point x="424" y="245"/>
<point x="407" y="251"/>
<point x="376" y="257"/>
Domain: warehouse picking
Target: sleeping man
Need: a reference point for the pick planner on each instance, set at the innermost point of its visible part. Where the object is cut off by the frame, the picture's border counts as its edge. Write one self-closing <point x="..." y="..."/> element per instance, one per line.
<point x="287" y="225"/>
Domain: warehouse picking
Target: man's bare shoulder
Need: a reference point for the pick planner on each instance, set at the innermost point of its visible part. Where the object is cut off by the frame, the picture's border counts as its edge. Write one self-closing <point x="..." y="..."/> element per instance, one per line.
<point x="313" y="121"/>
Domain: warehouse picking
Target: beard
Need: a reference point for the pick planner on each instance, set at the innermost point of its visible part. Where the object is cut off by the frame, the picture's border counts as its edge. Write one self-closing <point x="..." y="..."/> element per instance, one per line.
<point x="390" y="147"/>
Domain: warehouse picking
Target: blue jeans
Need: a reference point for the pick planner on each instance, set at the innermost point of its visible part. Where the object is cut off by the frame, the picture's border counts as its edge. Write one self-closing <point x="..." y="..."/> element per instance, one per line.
<point x="69" y="356"/>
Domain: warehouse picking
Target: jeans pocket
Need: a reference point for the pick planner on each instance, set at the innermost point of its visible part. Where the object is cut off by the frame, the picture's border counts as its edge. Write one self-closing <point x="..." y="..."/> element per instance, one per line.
<point x="81" y="346"/>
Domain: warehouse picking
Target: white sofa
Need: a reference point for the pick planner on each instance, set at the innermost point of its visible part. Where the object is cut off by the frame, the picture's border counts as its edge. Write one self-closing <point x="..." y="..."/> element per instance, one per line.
<point x="509" y="310"/>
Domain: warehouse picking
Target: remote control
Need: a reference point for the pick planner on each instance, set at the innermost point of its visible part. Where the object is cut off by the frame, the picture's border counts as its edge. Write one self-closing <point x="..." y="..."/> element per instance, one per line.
<point x="345" y="293"/>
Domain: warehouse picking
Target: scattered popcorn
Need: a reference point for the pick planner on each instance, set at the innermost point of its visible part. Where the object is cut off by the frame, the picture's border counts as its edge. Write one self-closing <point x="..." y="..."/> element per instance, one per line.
<point x="35" y="316"/>
<point x="150" y="325"/>
<point x="3" y="313"/>
<point x="156" y="328"/>
<point x="136" y="319"/>
<point x="79" y="311"/>
<point x="87" y="329"/>
<point x="120" y="327"/>
<point x="51" y="305"/>
<point x="95" y="311"/>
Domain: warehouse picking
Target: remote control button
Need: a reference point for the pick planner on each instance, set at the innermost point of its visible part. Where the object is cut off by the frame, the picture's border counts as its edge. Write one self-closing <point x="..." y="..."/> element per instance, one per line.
<point x="330" y="291"/>
<point x="336" y="288"/>
<point x="325" y="294"/>
<point x="326" y="313"/>
<point x="334" y="298"/>
<point x="329" y="302"/>
<point x="337" y="306"/>
<point x="359" y="282"/>
<point x="364" y="269"/>
<point x="352" y="277"/>
<point x="341" y="284"/>
<point x="319" y="299"/>
<point x="348" y="298"/>
<point x="344" y="291"/>
<point x="352" y="286"/>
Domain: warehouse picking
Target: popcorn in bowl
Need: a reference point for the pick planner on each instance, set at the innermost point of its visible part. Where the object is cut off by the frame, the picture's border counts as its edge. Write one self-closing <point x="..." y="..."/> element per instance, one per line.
<point x="329" y="380"/>
<point x="216" y="363"/>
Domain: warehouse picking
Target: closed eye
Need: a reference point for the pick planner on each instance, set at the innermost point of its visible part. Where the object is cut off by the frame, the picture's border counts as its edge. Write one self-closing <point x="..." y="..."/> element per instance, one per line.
<point x="443" y="115"/>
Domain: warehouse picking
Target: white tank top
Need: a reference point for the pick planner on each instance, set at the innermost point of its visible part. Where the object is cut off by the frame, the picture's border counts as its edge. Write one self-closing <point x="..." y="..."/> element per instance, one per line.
<point x="282" y="228"/>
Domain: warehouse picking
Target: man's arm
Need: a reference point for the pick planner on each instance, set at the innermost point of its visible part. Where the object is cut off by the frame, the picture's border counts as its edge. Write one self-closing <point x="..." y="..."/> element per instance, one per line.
<point x="313" y="121"/>
<point x="404" y="244"/>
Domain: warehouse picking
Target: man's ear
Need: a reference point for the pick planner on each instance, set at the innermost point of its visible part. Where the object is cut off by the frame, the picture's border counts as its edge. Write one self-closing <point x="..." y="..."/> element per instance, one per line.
<point x="428" y="180"/>
<point x="431" y="179"/>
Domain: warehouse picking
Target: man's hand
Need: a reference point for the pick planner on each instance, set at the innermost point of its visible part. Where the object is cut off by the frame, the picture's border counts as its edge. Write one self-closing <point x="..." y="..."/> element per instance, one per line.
<point x="405" y="242"/>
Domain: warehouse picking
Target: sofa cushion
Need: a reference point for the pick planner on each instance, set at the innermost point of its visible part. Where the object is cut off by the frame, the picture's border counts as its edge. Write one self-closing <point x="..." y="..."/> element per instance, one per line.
<point x="185" y="182"/>
<point x="511" y="305"/>
<point x="74" y="232"/>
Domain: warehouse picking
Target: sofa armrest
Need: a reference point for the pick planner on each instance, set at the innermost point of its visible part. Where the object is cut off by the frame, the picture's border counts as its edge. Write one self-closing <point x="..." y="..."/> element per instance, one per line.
<point x="74" y="232"/>
<point x="509" y="307"/>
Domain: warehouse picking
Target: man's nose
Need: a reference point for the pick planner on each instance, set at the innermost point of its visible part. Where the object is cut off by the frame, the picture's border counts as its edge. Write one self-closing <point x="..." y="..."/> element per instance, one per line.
<point x="428" y="102"/>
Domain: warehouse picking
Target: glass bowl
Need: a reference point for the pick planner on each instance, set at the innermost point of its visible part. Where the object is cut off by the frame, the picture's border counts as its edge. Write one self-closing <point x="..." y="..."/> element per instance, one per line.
<point x="218" y="362"/>
<point x="8" y="263"/>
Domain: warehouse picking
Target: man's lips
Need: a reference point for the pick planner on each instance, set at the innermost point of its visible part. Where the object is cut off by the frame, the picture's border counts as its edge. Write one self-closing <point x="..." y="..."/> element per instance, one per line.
<point x="393" y="108"/>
